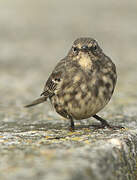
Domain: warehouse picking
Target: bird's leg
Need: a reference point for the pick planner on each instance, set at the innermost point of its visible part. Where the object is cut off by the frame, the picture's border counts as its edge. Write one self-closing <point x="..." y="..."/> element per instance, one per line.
<point x="72" y="125"/>
<point x="104" y="123"/>
<point x="67" y="116"/>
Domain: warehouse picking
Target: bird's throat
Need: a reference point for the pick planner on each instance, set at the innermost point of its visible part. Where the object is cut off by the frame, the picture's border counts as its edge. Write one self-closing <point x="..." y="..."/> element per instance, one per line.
<point x="84" y="61"/>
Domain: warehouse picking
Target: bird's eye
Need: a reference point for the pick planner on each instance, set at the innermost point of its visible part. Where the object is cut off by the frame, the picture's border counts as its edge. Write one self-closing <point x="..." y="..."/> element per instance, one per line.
<point x="75" y="49"/>
<point x="94" y="47"/>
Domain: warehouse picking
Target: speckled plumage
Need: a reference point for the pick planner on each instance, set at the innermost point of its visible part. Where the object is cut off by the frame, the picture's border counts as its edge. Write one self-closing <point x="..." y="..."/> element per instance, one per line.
<point x="82" y="83"/>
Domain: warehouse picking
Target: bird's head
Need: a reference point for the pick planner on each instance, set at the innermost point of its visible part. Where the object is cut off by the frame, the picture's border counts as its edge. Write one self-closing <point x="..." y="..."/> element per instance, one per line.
<point x="85" y="46"/>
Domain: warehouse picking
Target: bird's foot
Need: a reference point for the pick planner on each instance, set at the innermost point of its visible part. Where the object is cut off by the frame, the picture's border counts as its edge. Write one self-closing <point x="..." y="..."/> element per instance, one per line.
<point x="115" y="127"/>
<point x="105" y="124"/>
<point x="72" y="128"/>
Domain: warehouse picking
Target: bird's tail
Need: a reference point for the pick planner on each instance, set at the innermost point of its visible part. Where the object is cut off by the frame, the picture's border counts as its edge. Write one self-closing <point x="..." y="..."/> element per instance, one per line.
<point x="37" y="101"/>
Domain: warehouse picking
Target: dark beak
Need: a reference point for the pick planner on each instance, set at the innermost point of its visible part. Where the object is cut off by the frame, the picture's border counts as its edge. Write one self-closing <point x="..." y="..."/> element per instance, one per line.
<point x="84" y="48"/>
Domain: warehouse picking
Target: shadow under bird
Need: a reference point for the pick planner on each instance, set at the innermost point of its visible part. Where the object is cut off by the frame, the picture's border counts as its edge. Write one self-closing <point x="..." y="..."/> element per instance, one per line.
<point x="82" y="83"/>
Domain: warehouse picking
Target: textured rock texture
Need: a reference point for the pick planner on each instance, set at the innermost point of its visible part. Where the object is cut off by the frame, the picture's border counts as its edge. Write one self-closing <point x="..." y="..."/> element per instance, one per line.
<point x="36" y="143"/>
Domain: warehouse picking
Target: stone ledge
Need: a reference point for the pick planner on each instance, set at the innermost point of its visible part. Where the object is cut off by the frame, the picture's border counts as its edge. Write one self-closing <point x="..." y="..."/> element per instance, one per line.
<point x="56" y="153"/>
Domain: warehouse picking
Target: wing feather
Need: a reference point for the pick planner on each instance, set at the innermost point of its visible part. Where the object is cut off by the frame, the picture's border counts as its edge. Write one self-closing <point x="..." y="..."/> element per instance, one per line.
<point x="54" y="79"/>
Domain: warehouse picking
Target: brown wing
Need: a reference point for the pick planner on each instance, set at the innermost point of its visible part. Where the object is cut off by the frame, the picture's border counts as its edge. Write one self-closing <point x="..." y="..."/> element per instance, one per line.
<point x="54" y="79"/>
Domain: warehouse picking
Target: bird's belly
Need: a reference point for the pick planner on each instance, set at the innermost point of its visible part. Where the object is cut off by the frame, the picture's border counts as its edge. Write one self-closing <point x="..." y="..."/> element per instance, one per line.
<point x="86" y="109"/>
<point x="78" y="107"/>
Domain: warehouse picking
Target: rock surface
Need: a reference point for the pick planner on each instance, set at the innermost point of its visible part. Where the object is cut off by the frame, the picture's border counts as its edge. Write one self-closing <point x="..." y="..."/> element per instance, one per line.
<point x="36" y="143"/>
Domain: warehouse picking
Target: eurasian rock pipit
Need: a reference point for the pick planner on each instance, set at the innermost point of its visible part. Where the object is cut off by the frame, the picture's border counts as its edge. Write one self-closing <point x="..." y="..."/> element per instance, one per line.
<point x="82" y="83"/>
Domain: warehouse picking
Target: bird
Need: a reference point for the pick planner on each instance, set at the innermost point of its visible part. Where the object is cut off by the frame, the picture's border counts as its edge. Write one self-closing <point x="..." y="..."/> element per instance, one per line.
<point x="82" y="83"/>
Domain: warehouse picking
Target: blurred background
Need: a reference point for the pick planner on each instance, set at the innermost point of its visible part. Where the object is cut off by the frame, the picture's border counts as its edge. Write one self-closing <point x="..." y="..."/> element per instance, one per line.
<point x="35" y="35"/>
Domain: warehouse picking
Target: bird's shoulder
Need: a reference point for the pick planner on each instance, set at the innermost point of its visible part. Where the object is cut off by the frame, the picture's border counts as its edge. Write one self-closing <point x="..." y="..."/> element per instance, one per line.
<point x="54" y="79"/>
<point x="105" y="64"/>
